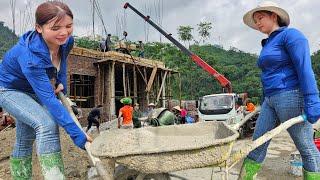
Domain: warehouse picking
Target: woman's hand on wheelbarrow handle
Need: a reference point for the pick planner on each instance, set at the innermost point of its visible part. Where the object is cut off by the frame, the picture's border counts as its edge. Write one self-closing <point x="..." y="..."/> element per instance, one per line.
<point x="310" y="120"/>
<point x="89" y="139"/>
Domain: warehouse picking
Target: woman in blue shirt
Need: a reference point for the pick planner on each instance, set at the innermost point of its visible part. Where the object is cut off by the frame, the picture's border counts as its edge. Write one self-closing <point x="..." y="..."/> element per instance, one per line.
<point x="289" y="87"/>
<point x="31" y="74"/>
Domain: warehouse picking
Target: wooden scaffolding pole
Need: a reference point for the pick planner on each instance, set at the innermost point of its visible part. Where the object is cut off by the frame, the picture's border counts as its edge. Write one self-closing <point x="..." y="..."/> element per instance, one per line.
<point x="180" y="89"/>
<point x="146" y="77"/>
<point x="128" y="84"/>
<point x="161" y="87"/>
<point x="99" y="86"/>
<point x="103" y="84"/>
<point x="124" y="80"/>
<point x="135" y="87"/>
<point x="112" y="89"/>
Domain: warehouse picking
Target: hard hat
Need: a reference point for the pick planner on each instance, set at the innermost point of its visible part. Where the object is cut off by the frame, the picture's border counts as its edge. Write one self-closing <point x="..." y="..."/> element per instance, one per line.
<point x="126" y="100"/>
<point x="152" y="104"/>
<point x="177" y="108"/>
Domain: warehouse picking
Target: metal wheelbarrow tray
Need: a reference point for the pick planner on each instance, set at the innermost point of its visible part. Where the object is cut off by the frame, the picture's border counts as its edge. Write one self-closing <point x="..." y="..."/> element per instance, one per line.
<point x="164" y="149"/>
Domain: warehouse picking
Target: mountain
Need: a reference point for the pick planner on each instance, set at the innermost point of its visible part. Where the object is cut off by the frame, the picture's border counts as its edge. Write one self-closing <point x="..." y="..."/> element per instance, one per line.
<point x="238" y="66"/>
<point x="7" y="39"/>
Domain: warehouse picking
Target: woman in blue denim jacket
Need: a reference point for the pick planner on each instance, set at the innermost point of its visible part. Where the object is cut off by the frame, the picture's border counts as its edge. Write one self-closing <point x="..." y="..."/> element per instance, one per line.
<point x="289" y="87"/>
<point x="31" y="74"/>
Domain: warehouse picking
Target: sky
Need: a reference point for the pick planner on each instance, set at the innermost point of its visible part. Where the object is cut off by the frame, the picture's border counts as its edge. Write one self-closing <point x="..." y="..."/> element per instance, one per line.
<point x="226" y="16"/>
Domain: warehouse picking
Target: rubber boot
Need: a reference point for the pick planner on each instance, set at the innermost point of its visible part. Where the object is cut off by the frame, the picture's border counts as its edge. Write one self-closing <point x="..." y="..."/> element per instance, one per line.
<point x="249" y="169"/>
<point x="52" y="166"/>
<point x="310" y="175"/>
<point x="21" y="168"/>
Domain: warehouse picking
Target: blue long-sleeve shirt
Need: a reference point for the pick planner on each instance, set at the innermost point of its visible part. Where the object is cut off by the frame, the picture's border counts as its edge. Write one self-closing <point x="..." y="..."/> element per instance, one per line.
<point x="25" y="67"/>
<point x="286" y="64"/>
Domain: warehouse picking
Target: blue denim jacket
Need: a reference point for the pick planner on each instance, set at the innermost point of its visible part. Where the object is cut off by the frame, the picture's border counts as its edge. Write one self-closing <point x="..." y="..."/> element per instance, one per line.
<point x="286" y="64"/>
<point x="25" y="66"/>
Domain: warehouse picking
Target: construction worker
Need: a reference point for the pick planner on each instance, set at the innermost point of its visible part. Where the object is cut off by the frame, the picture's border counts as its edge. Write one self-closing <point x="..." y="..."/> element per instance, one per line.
<point x="250" y="106"/>
<point x="289" y="88"/>
<point x="27" y="94"/>
<point x="136" y="115"/>
<point x="108" y="43"/>
<point x="141" y="48"/>
<point x="177" y="112"/>
<point x="125" y="113"/>
<point x="102" y="45"/>
<point x="94" y="117"/>
<point x="150" y="110"/>
<point x="183" y="115"/>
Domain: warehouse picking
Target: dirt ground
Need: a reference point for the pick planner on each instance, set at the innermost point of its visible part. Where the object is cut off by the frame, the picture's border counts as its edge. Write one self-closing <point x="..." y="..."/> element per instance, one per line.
<point x="76" y="162"/>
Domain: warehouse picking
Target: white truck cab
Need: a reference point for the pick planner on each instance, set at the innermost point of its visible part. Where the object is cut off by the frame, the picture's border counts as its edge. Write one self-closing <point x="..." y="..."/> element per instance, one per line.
<point x="220" y="107"/>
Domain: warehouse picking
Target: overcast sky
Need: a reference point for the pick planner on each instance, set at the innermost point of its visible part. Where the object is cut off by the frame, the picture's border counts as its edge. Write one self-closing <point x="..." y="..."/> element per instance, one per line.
<point x="226" y="16"/>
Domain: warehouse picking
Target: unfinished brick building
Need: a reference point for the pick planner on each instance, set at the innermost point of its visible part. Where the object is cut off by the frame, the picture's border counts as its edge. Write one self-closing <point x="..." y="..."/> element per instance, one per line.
<point x="104" y="78"/>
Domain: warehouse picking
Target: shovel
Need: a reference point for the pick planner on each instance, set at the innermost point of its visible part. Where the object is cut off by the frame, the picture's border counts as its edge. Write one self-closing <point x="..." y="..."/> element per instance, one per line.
<point x="94" y="161"/>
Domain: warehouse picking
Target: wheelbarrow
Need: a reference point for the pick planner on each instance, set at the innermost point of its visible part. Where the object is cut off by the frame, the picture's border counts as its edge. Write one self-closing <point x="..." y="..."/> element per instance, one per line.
<point x="156" y="151"/>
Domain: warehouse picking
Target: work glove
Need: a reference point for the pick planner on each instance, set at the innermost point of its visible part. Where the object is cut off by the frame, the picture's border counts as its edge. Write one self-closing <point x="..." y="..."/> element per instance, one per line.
<point x="312" y="108"/>
<point x="77" y="135"/>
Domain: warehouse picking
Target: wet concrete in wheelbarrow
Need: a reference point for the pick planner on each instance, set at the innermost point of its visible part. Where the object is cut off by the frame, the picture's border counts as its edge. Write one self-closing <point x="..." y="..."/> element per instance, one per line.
<point x="276" y="165"/>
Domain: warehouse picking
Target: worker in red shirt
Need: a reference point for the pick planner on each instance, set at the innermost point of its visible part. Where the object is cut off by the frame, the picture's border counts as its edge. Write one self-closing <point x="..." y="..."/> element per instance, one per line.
<point x="126" y="113"/>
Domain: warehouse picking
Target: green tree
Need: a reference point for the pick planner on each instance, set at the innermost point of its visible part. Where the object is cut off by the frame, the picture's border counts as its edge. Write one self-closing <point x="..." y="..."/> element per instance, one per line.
<point x="184" y="33"/>
<point x="85" y="42"/>
<point x="204" y="30"/>
<point x="7" y="39"/>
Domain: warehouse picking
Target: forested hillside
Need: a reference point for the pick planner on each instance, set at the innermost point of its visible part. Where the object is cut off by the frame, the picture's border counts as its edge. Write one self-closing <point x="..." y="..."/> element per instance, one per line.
<point x="7" y="39"/>
<point x="239" y="67"/>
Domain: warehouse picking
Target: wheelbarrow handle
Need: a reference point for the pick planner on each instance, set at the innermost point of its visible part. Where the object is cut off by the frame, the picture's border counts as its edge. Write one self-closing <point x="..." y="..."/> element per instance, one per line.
<point x="235" y="157"/>
<point x="94" y="161"/>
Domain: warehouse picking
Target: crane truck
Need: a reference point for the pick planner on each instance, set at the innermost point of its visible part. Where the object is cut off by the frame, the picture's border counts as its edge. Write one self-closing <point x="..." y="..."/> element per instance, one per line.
<point x="219" y="107"/>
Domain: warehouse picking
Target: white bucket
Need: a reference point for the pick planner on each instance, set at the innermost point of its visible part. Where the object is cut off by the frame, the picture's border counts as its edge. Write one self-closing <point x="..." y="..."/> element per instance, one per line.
<point x="295" y="164"/>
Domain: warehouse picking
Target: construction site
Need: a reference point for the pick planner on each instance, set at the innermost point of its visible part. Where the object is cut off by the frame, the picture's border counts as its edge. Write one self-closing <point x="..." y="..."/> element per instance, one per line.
<point x="168" y="137"/>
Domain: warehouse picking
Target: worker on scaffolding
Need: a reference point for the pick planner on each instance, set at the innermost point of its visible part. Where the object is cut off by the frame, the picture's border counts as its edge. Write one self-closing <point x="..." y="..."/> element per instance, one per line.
<point x="108" y="42"/>
<point x="141" y="50"/>
<point x="102" y="45"/>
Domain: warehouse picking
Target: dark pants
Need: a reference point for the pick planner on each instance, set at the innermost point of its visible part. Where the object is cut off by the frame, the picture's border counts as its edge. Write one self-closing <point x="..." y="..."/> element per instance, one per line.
<point x="183" y="120"/>
<point x="92" y="120"/>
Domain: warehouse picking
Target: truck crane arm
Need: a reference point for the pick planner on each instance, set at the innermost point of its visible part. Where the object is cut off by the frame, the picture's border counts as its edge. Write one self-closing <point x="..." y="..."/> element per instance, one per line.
<point x="224" y="82"/>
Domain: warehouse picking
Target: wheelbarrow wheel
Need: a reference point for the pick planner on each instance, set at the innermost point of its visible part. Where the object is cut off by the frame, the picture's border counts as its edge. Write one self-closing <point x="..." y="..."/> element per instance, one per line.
<point x="160" y="176"/>
<point x="124" y="173"/>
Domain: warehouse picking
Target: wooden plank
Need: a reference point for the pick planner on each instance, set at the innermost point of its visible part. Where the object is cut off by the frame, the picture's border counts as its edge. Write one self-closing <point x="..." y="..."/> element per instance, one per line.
<point x="112" y="55"/>
<point x="150" y="82"/>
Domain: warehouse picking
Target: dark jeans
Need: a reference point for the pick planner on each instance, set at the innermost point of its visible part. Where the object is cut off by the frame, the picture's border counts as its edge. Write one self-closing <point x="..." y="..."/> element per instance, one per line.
<point x="92" y="120"/>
